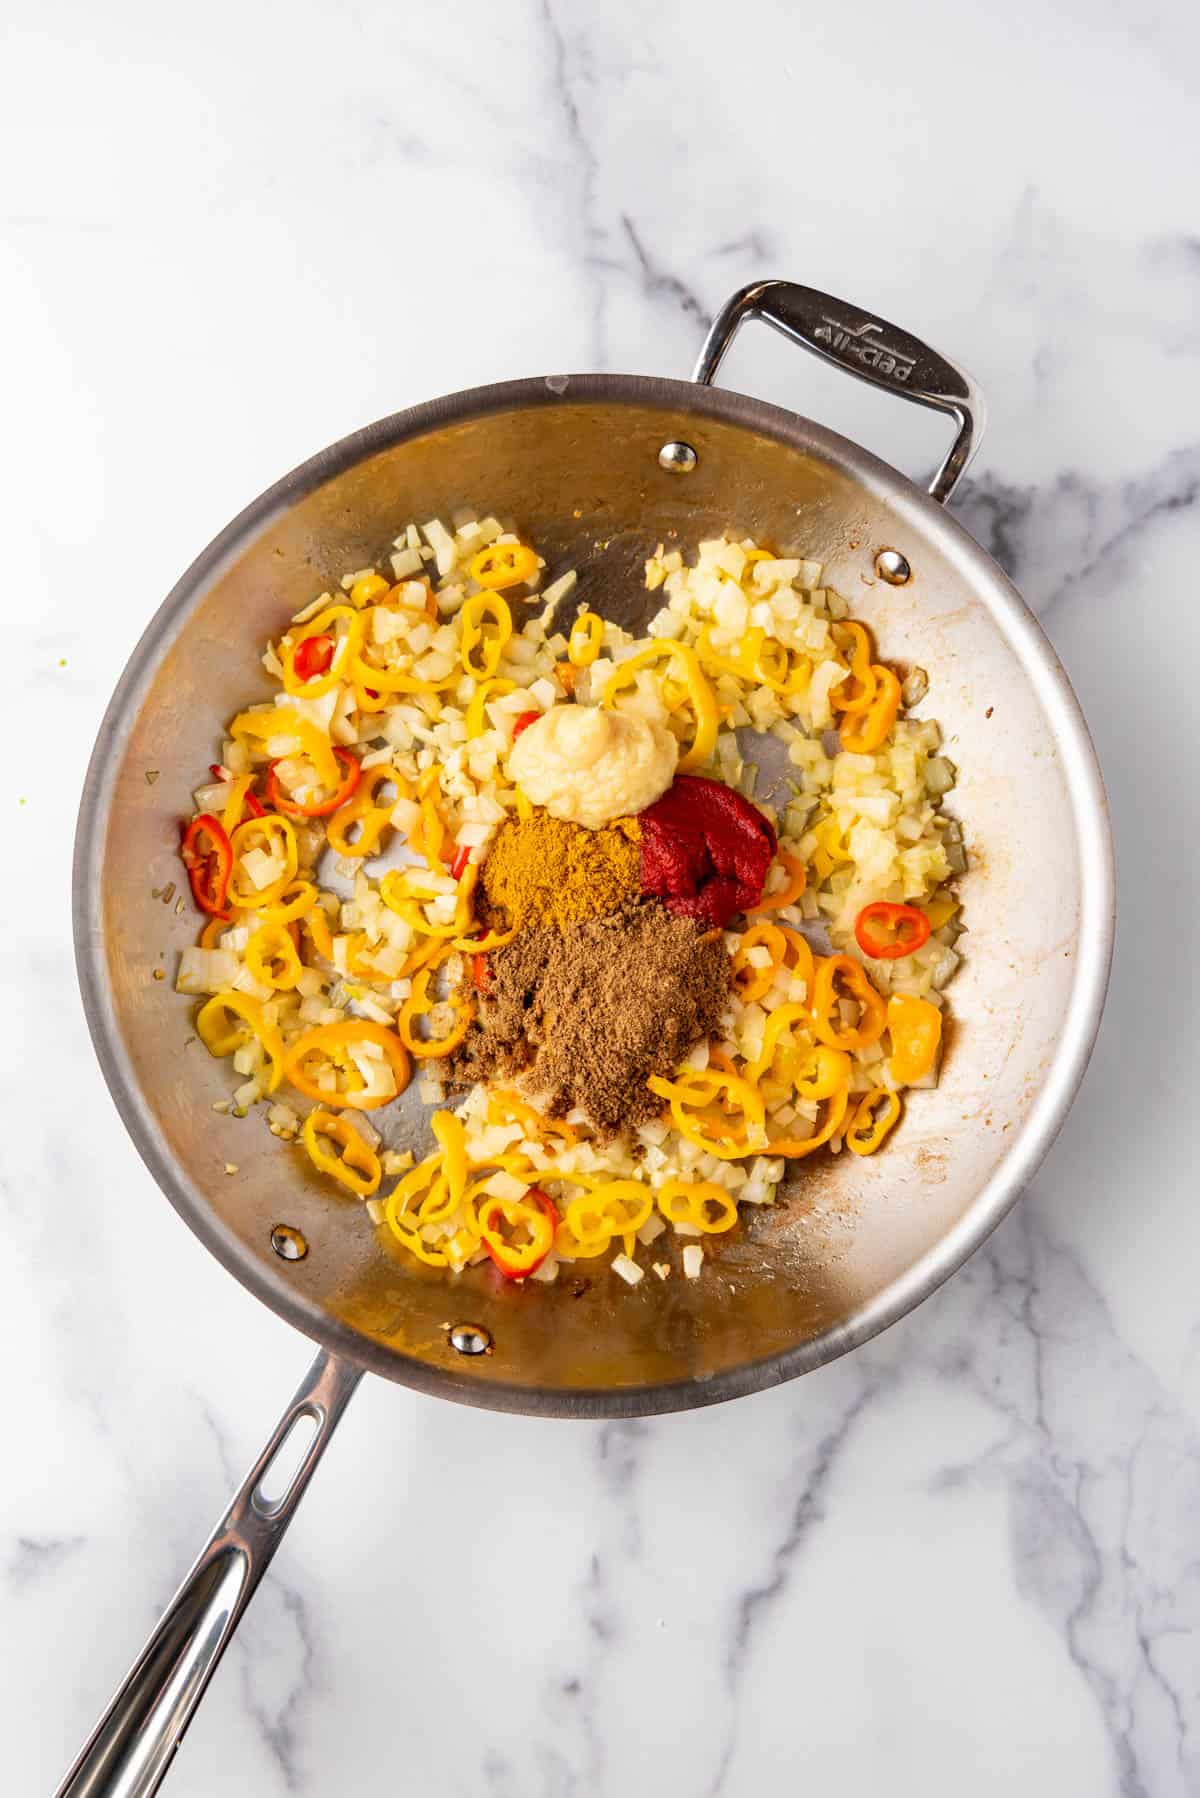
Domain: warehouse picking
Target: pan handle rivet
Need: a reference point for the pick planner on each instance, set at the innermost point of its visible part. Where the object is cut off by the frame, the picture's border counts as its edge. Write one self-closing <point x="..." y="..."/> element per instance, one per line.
<point x="470" y="1339"/>
<point x="288" y="1243"/>
<point x="892" y="567"/>
<point x="677" y="458"/>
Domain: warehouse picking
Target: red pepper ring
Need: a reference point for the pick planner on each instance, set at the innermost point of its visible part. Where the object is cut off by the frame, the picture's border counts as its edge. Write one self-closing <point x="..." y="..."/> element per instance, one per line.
<point x="480" y="975"/>
<point x="324" y="807"/>
<point x="517" y="1261"/>
<point x="459" y="865"/>
<point x="208" y="868"/>
<point x="524" y="720"/>
<point x="909" y="930"/>
<point x="314" y="656"/>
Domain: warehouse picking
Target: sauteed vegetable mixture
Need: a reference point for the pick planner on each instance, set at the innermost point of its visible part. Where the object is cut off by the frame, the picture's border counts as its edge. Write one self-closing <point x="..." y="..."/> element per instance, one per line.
<point x="651" y="921"/>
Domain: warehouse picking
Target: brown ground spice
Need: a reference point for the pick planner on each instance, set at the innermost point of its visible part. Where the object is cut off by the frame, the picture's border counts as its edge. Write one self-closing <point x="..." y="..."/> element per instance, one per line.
<point x="542" y="870"/>
<point x="589" y="1013"/>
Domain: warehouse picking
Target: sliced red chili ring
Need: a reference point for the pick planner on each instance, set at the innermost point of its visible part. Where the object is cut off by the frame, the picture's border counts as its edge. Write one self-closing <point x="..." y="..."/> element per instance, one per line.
<point x="313" y="657"/>
<point x="458" y="866"/>
<point x="523" y="723"/>
<point x="479" y="973"/>
<point x="323" y="807"/>
<point x="209" y="864"/>
<point x="907" y="928"/>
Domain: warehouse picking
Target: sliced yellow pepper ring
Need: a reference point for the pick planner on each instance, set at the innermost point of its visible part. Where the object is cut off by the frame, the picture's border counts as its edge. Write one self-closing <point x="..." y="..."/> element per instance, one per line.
<point x="742" y="664"/>
<point x="864" y="733"/>
<point x="431" y="837"/>
<point x="486" y="627"/>
<point x="410" y="1238"/>
<point x="346" y="647"/>
<point x="375" y="688"/>
<point x="780" y="1022"/>
<point x="295" y="902"/>
<point x="779" y="673"/>
<point x="873" y="1017"/>
<point x="700" y="1202"/>
<point x="284" y="721"/>
<point x="368" y="587"/>
<point x="423" y="1195"/>
<point x="262" y="833"/>
<point x="823" y="1073"/>
<point x="331" y="1046"/>
<point x="212" y="930"/>
<point x="447" y="1128"/>
<point x="272" y="958"/>
<point x="493" y="688"/>
<point x="794" y="1148"/>
<point x="419" y="1004"/>
<point x="704" y="700"/>
<point x="800" y="960"/>
<point x="357" y="1166"/>
<point x="788" y="893"/>
<point x="404" y="892"/>
<point x="316" y="922"/>
<point x="694" y="1088"/>
<point x="620" y="1206"/>
<point x="586" y="639"/>
<point x="361" y="810"/>
<point x="878" y="1113"/>
<point x="915" y="1027"/>
<point x="504" y="565"/>
<point x="483" y="945"/>
<point x="832" y="848"/>
<point x="219" y="1038"/>
<point x="855" y="693"/>
<point x="235" y="805"/>
<point x="429" y="954"/>
<point x="750" y="981"/>
<point x="581" y="1248"/>
<point x="507" y="1108"/>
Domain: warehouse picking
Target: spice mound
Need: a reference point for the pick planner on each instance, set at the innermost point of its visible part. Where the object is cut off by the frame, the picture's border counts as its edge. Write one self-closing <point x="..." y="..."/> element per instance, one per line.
<point x="589" y="1013"/>
<point x="705" y="850"/>
<point x="542" y="870"/>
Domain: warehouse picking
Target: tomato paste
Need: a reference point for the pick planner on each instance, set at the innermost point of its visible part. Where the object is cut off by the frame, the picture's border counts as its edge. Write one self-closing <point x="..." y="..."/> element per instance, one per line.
<point x="705" y="850"/>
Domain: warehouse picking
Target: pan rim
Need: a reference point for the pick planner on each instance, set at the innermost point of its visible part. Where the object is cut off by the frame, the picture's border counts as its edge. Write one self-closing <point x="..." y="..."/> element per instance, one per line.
<point x="1093" y="950"/>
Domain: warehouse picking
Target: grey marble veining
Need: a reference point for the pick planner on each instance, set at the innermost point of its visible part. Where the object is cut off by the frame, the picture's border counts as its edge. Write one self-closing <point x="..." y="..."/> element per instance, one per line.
<point x="966" y="1558"/>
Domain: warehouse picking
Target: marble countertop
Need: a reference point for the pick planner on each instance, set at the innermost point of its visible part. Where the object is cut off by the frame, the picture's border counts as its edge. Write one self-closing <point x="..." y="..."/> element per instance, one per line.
<point x="966" y="1558"/>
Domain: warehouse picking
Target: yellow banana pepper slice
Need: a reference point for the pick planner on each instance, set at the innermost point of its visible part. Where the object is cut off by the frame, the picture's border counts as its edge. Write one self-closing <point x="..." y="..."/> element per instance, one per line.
<point x="272" y="958"/>
<point x="219" y="1038"/>
<point x="877" y="1115"/>
<point x="357" y="1166"/>
<point x="284" y="721"/>
<point x="704" y="700"/>
<point x="261" y="833"/>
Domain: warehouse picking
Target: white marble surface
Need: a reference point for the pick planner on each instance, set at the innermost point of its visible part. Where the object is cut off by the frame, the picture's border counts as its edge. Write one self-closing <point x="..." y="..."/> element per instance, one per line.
<point x="966" y="1559"/>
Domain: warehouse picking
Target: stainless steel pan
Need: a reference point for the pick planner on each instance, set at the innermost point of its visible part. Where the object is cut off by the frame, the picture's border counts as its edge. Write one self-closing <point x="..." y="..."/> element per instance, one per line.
<point x="598" y="468"/>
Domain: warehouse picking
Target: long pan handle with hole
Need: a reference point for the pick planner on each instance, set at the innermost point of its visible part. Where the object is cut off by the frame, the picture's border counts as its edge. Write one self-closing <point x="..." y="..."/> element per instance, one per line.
<point x="863" y="345"/>
<point x="130" y="1749"/>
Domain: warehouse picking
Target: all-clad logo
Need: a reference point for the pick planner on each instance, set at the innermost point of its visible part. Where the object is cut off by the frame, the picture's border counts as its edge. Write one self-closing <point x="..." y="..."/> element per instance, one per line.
<point x="872" y="352"/>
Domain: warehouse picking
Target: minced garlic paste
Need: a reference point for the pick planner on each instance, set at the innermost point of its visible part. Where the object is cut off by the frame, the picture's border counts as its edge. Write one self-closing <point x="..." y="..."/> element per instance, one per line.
<point x="589" y="765"/>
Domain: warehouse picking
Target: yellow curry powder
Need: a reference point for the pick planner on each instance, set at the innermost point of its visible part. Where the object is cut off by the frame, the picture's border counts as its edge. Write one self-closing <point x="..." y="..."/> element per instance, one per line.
<point x="542" y="870"/>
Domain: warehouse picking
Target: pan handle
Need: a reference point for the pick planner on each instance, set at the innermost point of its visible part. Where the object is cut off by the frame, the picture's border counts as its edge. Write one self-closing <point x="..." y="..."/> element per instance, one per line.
<point x="130" y="1749"/>
<point x="862" y="345"/>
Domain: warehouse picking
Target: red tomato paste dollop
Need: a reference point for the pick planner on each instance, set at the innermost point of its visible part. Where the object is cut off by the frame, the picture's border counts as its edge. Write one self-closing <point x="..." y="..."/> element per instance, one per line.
<point x="705" y="850"/>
